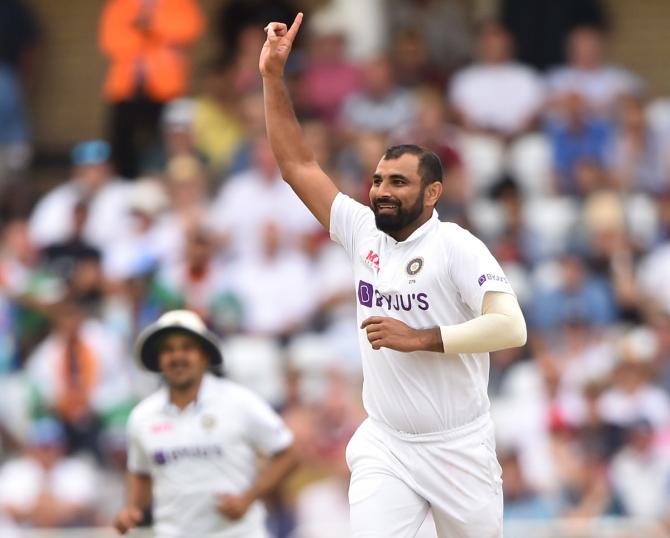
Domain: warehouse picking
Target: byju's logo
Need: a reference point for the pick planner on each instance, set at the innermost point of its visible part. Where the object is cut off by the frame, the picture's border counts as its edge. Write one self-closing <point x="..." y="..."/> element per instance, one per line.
<point x="366" y="292"/>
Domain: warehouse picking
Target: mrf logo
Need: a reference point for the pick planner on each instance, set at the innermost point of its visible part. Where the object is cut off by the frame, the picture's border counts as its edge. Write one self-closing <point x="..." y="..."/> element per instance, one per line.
<point x="372" y="259"/>
<point x="368" y="295"/>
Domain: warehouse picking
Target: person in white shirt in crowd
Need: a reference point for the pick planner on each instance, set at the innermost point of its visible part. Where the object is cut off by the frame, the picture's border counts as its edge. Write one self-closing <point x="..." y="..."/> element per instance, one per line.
<point x="44" y="487"/>
<point x="276" y="289"/>
<point x="241" y="209"/>
<point x="432" y="302"/>
<point x="640" y="473"/>
<point x="187" y="188"/>
<point x="588" y="73"/>
<point x="496" y="94"/>
<point x="193" y="444"/>
<point x="92" y="180"/>
<point x="497" y="101"/>
<point x="381" y="106"/>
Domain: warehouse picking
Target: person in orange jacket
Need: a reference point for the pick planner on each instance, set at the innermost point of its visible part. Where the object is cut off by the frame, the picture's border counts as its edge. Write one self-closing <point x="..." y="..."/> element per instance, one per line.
<point x="147" y="44"/>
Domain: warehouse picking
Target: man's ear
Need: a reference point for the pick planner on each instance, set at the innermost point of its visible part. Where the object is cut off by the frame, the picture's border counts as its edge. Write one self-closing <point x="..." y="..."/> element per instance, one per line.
<point x="432" y="193"/>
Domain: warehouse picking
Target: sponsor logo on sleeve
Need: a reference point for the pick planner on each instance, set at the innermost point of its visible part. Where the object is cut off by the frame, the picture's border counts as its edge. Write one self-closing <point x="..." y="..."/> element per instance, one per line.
<point x="492" y="277"/>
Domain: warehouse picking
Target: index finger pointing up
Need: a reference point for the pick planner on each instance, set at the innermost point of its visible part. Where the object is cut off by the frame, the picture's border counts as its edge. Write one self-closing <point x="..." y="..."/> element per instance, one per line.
<point x="293" y="30"/>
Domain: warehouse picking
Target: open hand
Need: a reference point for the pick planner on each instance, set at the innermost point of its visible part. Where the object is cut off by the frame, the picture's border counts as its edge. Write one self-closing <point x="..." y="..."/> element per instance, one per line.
<point x="277" y="47"/>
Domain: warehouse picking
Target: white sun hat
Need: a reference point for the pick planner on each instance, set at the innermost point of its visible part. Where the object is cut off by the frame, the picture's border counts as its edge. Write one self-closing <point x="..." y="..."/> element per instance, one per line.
<point x="185" y="321"/>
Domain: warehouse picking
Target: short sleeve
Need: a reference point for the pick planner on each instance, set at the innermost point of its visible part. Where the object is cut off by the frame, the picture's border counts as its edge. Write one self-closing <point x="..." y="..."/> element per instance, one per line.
<point x="266" y="430"/>
<point x="348" y="221"/>
<point x="474" y="271"/>
<point x="138" y="462"/>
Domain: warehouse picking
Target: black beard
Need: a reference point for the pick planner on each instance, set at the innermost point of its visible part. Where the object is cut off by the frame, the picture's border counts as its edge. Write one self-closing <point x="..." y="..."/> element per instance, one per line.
<point x="390" y="223"/>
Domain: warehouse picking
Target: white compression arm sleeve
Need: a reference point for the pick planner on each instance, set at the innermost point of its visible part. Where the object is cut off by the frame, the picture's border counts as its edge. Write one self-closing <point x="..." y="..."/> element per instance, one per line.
<point x="500" y="326"/>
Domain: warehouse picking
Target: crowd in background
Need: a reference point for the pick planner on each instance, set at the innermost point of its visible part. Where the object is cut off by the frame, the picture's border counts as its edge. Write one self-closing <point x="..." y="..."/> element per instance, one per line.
<point x="562" y="166"/>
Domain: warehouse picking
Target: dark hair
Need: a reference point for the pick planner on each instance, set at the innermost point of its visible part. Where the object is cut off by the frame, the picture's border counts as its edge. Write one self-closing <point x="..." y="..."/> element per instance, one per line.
<point x="430" y="166"/>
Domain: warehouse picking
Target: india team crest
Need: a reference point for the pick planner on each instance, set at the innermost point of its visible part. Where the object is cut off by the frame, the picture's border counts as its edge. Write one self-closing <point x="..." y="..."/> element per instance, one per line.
<point x="208" y="422"/>
<point x="414" y="266"/>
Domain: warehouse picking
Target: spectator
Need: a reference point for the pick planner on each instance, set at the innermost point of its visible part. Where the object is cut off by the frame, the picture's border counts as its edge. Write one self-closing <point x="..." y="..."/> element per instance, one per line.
<point x="199" y="282"/>
<point x="521" y="502"/>
<point x="328" y="78"/>
<point x="588" y="74"/>
<point x="641" y="473"/>
<point x="19" y="40"/>
<point x="76" y="263"/>
<point x="496" y="95"/>
<point x="217" y="126"/>
<point x="43" y="487"/>
<point x="633" y="396"/>
<point x="247" y="201"/>
<point x="579" y="296"/>
<point x="639" y="155"/>
<point x="275" y="286"/>
<point x="381" y="106"/>
<point x="147" y="45"/>
<point x="78" y="373"/>
<point x="92" y="180"/>
<point x="139" y="252"/>
<point x="444" y="25"/>
<point x="576" y="136"/>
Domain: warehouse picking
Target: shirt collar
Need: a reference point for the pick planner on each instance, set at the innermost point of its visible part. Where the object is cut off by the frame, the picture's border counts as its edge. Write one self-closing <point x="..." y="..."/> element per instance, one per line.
<point x="422" y="230"/>
<point x="204" y="393"/>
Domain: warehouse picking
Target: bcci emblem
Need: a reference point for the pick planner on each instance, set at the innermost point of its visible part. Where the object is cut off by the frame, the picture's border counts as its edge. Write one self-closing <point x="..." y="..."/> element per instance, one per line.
<point x="208" y="422"/>
<point x="414" y="266"/>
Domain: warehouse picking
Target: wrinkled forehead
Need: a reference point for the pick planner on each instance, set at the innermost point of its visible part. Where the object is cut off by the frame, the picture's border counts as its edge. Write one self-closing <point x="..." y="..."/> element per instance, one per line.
<point x="406" y="165"/>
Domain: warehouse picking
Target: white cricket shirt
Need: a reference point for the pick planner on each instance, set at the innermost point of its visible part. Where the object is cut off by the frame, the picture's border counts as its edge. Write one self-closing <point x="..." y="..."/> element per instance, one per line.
<point x="437" y="276"/>
<point x="207" y="448"/>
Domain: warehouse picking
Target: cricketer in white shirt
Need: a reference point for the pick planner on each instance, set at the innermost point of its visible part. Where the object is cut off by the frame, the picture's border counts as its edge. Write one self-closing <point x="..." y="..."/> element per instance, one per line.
<point x="195" y="442"/>
<point x="208" y="448"/>
<point x="432" y="302"/>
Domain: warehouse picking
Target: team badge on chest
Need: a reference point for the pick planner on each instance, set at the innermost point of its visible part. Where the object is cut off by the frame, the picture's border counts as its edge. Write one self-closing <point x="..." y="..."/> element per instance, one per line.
<point x="208" y="422"/>
<point x="414" y="266"/>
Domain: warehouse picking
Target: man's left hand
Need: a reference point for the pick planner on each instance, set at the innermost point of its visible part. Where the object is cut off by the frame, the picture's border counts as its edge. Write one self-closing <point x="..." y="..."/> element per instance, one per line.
<point x="396" y="335"/>
<point x="234" y="506"/>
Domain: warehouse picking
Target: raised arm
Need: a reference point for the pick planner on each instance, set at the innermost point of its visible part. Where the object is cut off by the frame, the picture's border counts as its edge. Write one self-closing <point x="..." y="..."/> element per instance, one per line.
<point x="296" y="160"/>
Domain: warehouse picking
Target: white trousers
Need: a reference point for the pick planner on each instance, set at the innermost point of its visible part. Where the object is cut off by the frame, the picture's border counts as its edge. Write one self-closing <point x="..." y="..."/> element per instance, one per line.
<point x="397" y="478"/>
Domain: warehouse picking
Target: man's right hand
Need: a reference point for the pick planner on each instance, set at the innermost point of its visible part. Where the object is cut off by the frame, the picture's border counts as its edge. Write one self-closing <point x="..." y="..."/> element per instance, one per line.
<point x="127" y="519"/>
<point x="277" y="47"/>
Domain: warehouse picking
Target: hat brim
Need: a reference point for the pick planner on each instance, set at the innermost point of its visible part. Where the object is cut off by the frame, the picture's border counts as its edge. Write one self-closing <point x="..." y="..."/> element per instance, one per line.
<point x="146" y="350"/>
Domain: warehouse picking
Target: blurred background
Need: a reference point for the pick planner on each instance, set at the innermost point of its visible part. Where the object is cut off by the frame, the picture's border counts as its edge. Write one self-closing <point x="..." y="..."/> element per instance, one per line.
<point x="135" y="178"/>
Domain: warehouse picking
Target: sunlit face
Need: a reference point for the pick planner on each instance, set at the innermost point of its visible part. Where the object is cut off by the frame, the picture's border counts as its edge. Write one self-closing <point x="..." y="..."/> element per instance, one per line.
<point x="397" y="193"/>
<point x="182" y="360"/>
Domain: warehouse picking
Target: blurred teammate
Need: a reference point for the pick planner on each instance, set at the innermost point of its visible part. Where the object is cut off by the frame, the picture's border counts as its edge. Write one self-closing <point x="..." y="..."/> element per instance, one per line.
<point x="193" y="445"/>
<point x="433" y="302"/>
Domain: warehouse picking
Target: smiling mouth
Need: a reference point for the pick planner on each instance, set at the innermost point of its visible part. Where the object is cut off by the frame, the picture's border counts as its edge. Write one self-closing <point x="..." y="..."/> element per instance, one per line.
<point x="386" y="206"/>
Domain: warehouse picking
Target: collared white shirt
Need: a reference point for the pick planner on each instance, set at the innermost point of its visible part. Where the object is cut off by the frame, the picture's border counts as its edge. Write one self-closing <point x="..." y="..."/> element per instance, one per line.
<point x="208" y="448"/>
<point x="437" y="276"/>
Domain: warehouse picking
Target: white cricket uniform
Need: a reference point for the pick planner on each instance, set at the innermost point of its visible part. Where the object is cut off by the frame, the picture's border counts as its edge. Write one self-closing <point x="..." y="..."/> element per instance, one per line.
<point x="209" y="447"/>
<point x="428" y="440"/>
